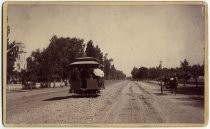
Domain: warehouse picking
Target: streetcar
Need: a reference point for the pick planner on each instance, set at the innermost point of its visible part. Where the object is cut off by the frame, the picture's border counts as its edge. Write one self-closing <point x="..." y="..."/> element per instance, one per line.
<point x="86" y="76"/>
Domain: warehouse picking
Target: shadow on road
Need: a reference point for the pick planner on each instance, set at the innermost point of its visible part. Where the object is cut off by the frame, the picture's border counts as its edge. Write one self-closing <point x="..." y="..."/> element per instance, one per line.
<point x="191" y="90"/>
<point x="71" y="96"/>
<point x="193" y="101"/>
<point x="160" y="94"/>
<point x="183" y="90"/>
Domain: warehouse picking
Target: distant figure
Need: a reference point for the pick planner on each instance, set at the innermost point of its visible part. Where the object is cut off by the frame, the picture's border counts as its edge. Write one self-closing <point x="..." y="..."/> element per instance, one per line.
<point x="173" y="85"/>
<point x="166" y="81"/>
<point x="196" y="81"/>
<point x="99" y="74"/>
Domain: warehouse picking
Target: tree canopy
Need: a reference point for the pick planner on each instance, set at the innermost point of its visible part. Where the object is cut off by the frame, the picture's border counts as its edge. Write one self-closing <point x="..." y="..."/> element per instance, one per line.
<point x="11" y="57"/>
<point x="52" y="62"/>
<point x="110" y="71"/>
<point x="93" y="51"/>
<point x="185" y="71"/>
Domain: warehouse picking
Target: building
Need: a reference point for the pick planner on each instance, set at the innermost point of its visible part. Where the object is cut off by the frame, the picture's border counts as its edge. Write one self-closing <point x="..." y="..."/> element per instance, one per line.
<point x="20" y="63"/>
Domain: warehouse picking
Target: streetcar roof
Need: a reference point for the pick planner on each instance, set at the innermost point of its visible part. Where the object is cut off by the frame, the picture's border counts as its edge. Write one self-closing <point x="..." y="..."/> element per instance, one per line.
<point x="87" y="59"/>
<point x="84" y="63"/>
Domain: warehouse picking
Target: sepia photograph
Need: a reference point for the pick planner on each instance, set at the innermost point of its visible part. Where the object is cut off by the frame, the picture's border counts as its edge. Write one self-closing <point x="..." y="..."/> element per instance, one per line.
<point x="105" y="64"/>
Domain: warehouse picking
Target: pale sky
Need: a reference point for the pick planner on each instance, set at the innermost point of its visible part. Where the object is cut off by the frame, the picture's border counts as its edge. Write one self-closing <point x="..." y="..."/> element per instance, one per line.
<point x="139" y="35"/>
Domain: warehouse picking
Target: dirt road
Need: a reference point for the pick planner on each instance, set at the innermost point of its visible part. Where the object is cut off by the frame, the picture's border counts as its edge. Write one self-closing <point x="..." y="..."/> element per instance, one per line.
<point x="121" y="102"/>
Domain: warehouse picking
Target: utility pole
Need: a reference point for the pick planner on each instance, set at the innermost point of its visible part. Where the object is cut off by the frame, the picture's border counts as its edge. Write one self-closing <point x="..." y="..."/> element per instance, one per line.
<point x="161" y="84"/>
<point x="160" y="64"/>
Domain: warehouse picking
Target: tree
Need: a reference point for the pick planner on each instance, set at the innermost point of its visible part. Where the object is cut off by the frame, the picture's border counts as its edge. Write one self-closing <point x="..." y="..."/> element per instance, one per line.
<point x="197" y="70"/>
<point x="142" y="73"/>
<point x="110" y="71"/>
<point x="92" y="51"/>
<point x="60" y="53"/>
<point x="153" y="73"/>
<point x="52" y="63"/>
<point x="120" y="75"/>
<point x="185" y="68"/>
<point x="185" y="65"/>
<point x="134" y="73"/>
<point x="99" y="54"/>
<point x="185" y="72"/>
<point x="35" y="66"/>
<point x="107" y="65"/>
<point x="11" y="57"/>
<point x="113" y="72"/>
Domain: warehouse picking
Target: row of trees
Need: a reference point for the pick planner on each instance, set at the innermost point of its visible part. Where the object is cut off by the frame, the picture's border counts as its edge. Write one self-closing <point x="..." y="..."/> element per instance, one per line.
<point x="51" y="63"/>
<point x="185" y="71"/>
<point x="109" y="69"/>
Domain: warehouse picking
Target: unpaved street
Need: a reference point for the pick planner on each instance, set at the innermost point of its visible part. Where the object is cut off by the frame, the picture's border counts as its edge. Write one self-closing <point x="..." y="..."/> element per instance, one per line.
<point x="120" y="102"/>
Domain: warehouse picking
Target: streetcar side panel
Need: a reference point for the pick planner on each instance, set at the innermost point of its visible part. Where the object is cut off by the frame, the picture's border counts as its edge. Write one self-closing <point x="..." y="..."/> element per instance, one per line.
<point x="92" y="84"/>
<point x="75" y="85"/>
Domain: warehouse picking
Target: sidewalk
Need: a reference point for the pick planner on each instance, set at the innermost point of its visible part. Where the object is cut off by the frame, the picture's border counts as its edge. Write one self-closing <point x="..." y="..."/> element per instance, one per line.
<point x="19" y="87"/>
<point x="14" y="87"/>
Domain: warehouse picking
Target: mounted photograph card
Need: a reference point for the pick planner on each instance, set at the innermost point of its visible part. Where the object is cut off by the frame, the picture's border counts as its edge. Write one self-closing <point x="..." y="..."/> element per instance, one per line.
<point x="105" y="64"/>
